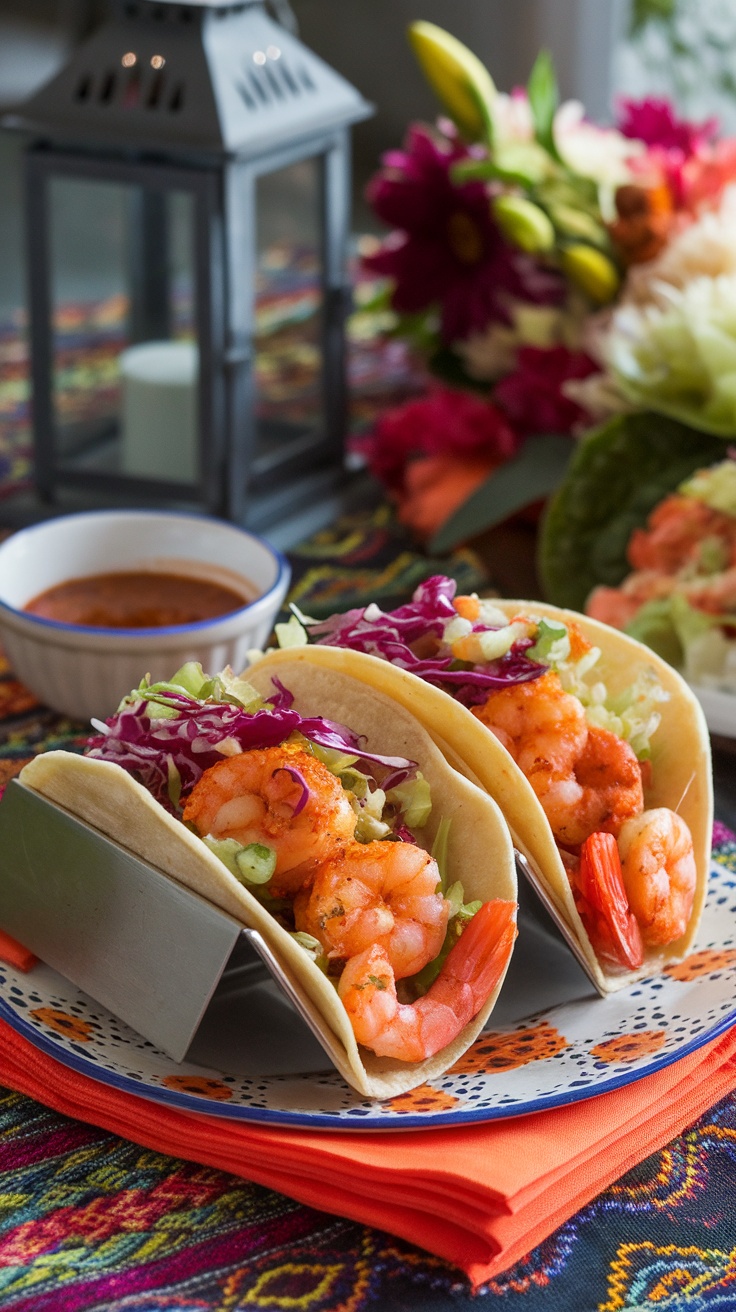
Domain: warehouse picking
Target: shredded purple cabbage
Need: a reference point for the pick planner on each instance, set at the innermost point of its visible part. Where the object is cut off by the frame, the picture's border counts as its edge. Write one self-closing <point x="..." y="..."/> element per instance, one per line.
<point x="395" y="635"/>
<point x="298" y="778"/>
<point x="169" y="754"/>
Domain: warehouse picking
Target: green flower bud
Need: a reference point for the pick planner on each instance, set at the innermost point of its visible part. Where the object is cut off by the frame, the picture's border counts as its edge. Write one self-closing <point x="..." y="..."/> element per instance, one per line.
<point x="592" y="272"/>
<point x="524" y="224"/>
<point x="576" y="223"/>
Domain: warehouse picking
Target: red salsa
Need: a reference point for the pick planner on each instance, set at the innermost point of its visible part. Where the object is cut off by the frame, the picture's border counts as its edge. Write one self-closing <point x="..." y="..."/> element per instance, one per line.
<point x="140" y="600"/>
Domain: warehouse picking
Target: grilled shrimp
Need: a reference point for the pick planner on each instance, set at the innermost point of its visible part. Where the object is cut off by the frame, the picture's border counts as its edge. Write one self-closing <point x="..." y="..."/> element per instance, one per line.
<point x="382" y="894"/>
<point x="415" y="1031"/>
<point x="376" y="907"/>
<point x="603" y="790"/>
<point x="637" y="892"/>
<point x="586" y="778"/>
<point x="658" y="867"/>
<point x="542" y="726"/>
<point x="282" y="797"/>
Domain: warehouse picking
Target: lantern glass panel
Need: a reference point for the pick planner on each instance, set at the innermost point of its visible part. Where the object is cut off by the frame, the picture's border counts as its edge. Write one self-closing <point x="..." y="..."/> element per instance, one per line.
<point x="124" y="342"/>
<point x="289" y="314"/>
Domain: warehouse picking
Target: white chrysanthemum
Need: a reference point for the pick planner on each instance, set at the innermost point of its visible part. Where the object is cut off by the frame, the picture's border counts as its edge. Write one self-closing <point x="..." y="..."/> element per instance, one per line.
<point x="678" y="355"/>
<point x="593" y="152"/>
<point x="599" y="395"/>
<point x="705" y="248"/>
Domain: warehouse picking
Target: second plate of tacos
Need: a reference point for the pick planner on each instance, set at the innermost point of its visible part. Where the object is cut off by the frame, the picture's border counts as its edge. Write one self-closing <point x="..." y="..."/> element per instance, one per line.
<point x="595" y="749"/>
<point x="317" y="810"/>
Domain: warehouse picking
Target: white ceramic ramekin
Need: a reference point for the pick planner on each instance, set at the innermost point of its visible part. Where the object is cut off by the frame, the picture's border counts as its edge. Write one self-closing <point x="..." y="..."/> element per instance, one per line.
<point x="84" y="672"/>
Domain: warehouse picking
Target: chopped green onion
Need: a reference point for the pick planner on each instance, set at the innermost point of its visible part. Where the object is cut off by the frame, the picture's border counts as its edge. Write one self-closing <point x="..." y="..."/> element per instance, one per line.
<point x="253" y="864"/>
<point x="256" y="863"/>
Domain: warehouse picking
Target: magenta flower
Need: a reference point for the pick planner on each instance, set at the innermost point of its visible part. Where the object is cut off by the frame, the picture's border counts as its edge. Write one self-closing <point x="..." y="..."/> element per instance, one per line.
<point x="653" y="121"/>
<point x="446" y="422"/>
<point x="446" y="249"/>
<point x="694" y="166"/>
<point x="533" y="397"/>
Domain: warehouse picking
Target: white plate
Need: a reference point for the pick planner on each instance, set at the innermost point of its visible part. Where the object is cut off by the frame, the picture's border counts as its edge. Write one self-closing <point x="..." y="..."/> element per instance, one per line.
<point x="719" y="708"/>
<point x="535" y="1056"/>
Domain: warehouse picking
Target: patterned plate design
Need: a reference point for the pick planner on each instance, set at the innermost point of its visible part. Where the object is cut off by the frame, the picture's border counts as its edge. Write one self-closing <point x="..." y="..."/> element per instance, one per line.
<point x="572" y="1046"/>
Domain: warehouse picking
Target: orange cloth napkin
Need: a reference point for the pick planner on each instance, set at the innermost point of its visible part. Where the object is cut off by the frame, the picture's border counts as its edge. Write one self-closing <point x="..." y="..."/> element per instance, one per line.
<point x="13" y="952"/>
<point x="480" y="1196"/>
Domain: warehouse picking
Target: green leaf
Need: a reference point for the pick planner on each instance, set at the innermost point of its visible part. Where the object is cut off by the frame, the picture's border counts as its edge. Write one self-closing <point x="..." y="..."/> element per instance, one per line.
<point x="534" y="473"/>
<point x="617" y="474"/>
<point x="446" y="365"/>
<point x="473" y="170"/>
<point x="644" y="12"/>
<point x="543" y="100"/>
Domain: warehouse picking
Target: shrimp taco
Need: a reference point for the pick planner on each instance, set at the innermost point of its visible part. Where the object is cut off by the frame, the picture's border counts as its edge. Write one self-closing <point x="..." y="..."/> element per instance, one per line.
<point x="595" y="749"/>
<point x="317" y="810"/>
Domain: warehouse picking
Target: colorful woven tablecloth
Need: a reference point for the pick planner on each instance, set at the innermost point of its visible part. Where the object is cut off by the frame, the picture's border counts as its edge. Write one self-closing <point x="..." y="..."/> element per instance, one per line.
<point x="89" y="1220"/>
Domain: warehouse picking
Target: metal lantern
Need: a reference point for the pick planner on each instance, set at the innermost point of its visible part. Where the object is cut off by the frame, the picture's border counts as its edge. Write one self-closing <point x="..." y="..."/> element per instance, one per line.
<point x="188" y="188"/>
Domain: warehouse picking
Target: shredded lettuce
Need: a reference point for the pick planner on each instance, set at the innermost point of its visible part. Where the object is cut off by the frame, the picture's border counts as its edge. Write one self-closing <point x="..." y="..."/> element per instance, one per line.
<point x="413" y="800"/>
<point x="460" y="913"/>
<point x="633" y="714"/>
<point x="291" y="634"/>
<point x="439" y="850"/>
<point x="313" y="949"/>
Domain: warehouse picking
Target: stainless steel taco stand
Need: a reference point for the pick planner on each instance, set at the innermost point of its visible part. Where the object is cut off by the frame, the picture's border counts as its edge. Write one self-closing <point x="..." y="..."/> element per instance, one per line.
<point x="549" y="917"/>
<point x="185" y="975"/>
<point x="179" y="971"/>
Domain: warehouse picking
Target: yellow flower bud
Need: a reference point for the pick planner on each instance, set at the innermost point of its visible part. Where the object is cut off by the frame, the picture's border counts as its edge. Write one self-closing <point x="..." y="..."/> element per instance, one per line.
<point x="592" y="271"/>
<point x="523" y="223"/>
<point x="458" y="78"/>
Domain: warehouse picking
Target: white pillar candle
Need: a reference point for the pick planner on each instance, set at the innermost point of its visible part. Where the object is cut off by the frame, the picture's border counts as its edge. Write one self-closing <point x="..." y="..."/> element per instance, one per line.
<point x="159" y="415"/>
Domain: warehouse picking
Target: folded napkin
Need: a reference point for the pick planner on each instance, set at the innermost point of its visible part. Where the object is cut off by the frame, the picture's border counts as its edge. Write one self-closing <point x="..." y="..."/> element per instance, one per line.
<point x="480" y="1196"/>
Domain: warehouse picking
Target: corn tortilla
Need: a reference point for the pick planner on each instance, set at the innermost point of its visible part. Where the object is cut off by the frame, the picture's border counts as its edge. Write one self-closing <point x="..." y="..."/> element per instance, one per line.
<point x="480" y="851"/>
<point x="681" y="762"/>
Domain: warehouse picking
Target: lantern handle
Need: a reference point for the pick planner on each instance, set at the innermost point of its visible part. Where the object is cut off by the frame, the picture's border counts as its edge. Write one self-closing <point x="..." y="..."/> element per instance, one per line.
<point x="284" y="15"/>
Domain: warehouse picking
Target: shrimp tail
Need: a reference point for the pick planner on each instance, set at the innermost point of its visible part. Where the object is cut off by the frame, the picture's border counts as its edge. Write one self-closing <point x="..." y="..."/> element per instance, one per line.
<point x="415" y="1031"/>
<point x="603" y="905"/>
<point x="476" y="962"/>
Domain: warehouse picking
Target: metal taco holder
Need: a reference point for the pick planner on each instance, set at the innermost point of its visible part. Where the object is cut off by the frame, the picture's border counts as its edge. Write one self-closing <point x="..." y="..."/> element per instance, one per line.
<point x="187" y="976"/>
<point x="184" y="974"/>
<point x="525" y="869"/>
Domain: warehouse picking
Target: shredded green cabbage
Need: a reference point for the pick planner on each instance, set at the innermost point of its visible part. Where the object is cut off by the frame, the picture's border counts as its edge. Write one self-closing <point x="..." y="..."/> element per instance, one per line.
<point x="291" y="634"/>
<point x="633" y="714"/>
<point x="312" y="947"/>
<point x="413" y="800"/>
<point x="192" y="681"/>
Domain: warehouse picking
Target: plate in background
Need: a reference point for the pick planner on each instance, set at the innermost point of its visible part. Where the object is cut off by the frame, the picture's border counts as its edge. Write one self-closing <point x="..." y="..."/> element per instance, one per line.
<point x="719" y="708"/>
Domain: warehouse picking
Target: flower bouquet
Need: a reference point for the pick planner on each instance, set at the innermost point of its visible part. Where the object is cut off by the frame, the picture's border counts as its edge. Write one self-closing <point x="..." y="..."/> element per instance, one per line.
<point x="555" y="275"/>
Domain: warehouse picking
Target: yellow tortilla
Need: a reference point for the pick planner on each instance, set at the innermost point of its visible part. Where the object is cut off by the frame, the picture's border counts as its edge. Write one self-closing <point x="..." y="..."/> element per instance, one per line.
<point x="480" y="851"/>
<point x="681" y="762"/>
